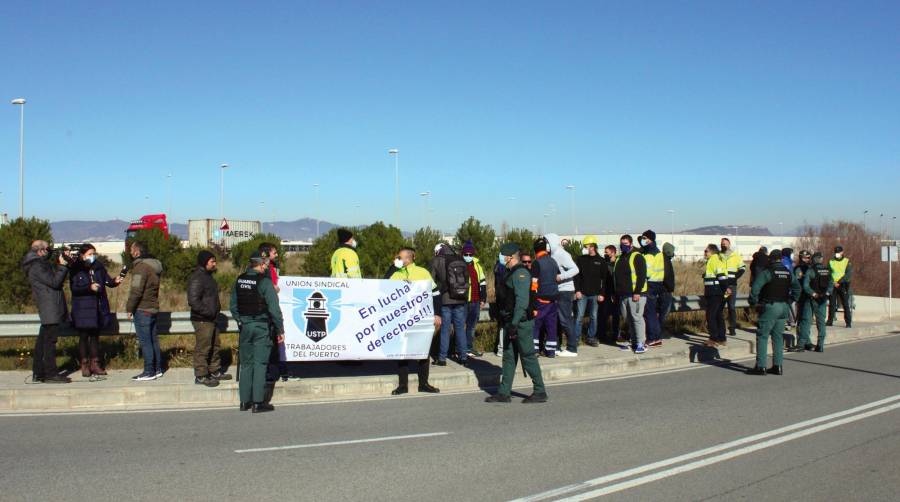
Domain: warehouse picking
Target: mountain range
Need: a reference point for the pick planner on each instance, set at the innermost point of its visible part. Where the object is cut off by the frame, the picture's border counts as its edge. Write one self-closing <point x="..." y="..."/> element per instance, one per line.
<point x="729" y="230"/>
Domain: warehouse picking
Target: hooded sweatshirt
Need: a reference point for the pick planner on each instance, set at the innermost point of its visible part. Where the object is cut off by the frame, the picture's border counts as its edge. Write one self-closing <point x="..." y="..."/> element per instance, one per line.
<point x="669" y="280"/>
<point x="47" y="287"/>
<point x="144" y="292"/>
<point x="567" y="267"/>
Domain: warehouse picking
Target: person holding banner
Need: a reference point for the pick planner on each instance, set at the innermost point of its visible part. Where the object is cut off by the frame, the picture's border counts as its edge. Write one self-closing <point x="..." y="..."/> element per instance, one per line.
<point x="517" y="309"/>
<point x="254" y="305"/>
<point x="407" y="270"/>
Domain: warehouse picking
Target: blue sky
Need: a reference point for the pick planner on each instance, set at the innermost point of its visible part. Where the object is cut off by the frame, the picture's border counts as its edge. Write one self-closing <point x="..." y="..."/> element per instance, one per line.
<point x="727" y="112"/>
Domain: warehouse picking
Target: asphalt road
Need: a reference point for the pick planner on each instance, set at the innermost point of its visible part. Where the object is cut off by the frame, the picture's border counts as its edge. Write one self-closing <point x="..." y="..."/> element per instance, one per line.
<point x="817" y="433"/>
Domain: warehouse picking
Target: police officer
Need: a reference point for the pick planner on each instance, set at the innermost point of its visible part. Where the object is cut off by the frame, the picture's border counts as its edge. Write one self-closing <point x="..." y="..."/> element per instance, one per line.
<point x="254" y="305"/>
<point x="841" y="272"/>
<point x="345" y="261"/>
<point x="773" y="289"/>
<point x="407" y="270"/>
<point x="517" y="310"/>
<point x="803" y="321"/>
<point x="818" y="288"/>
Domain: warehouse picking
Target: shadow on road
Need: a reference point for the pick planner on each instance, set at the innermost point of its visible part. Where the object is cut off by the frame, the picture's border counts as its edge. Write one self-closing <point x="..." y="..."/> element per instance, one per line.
<point x="835" y="366"/>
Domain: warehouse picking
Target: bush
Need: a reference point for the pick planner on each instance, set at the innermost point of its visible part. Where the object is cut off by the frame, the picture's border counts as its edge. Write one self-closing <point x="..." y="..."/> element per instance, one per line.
<point x="521" y="236"/>
<point x="318" y="261"/>
<point x="378" y="244"/>
<point x="240" y="253"/>
<point x="162" y="248"/>
<point x="15" y="242"/>
<point x="482" y="236"/>
<point x="424" y="241"/>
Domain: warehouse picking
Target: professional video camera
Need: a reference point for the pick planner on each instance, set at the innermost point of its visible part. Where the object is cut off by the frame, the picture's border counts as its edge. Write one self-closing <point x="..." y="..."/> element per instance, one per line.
<point x="70" y="252"/>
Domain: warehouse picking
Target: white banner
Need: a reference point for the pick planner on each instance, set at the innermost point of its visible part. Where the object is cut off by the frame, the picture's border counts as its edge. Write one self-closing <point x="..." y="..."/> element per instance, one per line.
<point x="355" y="319"/>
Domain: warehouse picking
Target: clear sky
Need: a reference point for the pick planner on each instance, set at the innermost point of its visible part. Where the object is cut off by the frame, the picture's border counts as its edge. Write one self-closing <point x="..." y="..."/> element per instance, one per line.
<point x="727" y="112"/>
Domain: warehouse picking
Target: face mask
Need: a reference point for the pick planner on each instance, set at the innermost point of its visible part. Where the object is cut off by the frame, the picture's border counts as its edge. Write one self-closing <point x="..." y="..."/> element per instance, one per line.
<point x="468" y="259"/>
<point x="625" y="248"/>
<point x="502" y="259"/>
<point x="838" y="256"/>
<point x="91" y="258"/>
<point x="353" y="243"/>
<point x="398" y="263"/>
<point x="584" y="251"/>
<point x="643" y="243"/>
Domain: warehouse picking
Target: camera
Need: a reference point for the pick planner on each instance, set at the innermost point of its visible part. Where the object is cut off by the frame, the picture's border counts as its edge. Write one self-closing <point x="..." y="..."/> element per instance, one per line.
<point x="71" y="253"/>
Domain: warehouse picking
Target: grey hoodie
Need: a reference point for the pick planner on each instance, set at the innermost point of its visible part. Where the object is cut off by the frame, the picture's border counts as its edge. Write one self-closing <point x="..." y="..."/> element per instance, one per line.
<point x="47" y="287"/>
<point x="568" y="268"/>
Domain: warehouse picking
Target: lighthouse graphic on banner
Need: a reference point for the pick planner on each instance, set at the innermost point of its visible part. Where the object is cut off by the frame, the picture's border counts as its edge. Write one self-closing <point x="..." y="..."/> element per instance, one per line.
<point x="316" y="315"/>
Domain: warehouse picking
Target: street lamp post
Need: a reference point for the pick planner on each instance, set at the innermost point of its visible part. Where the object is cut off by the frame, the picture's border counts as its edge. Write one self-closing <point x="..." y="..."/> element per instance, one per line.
<point x="425" y="196"/>
<point x="20" y="102"/>
<point x="881" y="226"/>
<point x="222" y="191"/>
<point x="396" y="154"/>
<point x="571" y="189"/>
<point x="169" y="196"/>
<point x="865" y="227"/>
<point x="316" y="188"/>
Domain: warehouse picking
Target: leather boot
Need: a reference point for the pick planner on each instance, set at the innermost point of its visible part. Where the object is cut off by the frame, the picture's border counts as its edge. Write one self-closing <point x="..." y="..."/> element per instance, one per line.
<point x="96" y="369"/>
<point x="756" y="370"/>
<point x="85" y="368"/>
<point x="261" y="408"/>
<point x="775" y="370"/>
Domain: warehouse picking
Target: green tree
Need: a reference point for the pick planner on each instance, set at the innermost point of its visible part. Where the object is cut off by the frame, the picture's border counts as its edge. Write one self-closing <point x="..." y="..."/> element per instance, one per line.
<point x="424" y="241"/>
<point x="482" y="236"/>
<point x="15" y="242"/>
<point x="521" y="236"/>
<point x="240" y="253"/>
<point x="574" y="248"/>
<point x="318" y="261"/>
<point x="158" y="245"/>
<point x="378" y="244"/>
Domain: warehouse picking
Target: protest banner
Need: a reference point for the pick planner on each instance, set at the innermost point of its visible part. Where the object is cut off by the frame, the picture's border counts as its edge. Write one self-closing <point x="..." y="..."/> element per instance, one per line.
<point x="355" y="319"/>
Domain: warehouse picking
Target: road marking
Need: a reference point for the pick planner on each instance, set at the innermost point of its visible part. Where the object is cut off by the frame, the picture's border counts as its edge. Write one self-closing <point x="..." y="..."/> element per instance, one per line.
<point x="892" y="401"/>
<point x="341" y="443"/>
<point x="725" y="456"/>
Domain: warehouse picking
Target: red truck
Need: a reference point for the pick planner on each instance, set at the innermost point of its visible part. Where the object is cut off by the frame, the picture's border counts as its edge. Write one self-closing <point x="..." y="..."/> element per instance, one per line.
<point x="147" y="221"/>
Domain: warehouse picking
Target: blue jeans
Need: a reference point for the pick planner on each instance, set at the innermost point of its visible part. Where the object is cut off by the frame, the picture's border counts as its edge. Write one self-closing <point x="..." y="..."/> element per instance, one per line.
<point x="145" y="327"/>
<point x="566" y="321"/>
<point x="473" y="311"/>
<point x="454" y="315"/>
<point x="653" y="311"/>
<point x="590" y="304"/>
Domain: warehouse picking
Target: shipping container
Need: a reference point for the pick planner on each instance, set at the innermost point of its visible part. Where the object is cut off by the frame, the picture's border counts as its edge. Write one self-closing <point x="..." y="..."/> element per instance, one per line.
<point x="209" y="232"/>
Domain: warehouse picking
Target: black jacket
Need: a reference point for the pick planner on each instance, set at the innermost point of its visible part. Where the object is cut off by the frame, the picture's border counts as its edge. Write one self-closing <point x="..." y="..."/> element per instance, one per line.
<point x="203" y="296"/>
<point x="47" y="287"/>
<point x="624" y="287"/>
<point x="592" y="272"/>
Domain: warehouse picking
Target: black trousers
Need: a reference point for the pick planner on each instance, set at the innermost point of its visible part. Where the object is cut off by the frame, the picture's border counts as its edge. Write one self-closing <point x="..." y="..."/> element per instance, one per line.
<point x="715" y="318"/>
<point x="403" y="372"/>
<point x="44" y="356"/>
<point x="609" y="309"/>
<point x="843" y="294"/>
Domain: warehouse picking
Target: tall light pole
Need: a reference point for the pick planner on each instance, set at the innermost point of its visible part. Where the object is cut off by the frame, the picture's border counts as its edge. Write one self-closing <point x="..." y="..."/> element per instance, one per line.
<point x="169" y="196"/>
<point x="316" y="188"/>
<point x="865" y="227"/>
<point x="881" y="226"/>
<point x="396" y="154"/>
<point x="147" y="201"/>
<point x="20" y="102"/>
<point x="425" y="196"/>
<point x="672" y="214"/>
<point x="222" y="191"/>
<point x="571" y="189"/>
<point x="781" y="231"/>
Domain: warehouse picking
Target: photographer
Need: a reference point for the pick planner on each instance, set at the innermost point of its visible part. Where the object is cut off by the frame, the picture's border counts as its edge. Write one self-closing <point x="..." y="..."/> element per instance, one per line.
<point x="46" y="280"/>
<point x="88" y="281"/>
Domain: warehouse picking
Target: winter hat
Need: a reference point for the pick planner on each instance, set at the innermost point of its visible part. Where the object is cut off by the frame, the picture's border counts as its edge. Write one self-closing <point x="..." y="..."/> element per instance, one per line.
<point x="203" y="258"/>
<point x="775" y="255"/>
<point x="839" y="249"/>
<point x="468" y="247"/>
<point x="650" y="235"/>
<point x="344" y="235"/>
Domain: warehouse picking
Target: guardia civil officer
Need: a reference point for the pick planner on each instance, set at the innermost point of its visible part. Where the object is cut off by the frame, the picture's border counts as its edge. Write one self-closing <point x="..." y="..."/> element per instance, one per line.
<point x="517" y="311"/>
<point x="773" y="290"/>
<point x="407" y="270"/>
<point x="818" y="287"/>
<point x="804" y="318"/>
<point x="254" y="305"/>
<point x="344" y="260"/>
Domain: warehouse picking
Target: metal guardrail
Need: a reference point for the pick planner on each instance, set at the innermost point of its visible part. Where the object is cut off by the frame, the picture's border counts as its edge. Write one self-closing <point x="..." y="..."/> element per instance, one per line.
<point x="179" y="323"/>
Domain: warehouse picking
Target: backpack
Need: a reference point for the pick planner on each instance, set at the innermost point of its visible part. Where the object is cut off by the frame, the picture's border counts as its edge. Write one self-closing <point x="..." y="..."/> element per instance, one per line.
<point x="456" y="274"/>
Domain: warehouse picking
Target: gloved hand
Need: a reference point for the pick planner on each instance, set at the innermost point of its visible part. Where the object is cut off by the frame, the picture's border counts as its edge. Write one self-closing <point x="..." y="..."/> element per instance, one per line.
<point x="512" y="331"/>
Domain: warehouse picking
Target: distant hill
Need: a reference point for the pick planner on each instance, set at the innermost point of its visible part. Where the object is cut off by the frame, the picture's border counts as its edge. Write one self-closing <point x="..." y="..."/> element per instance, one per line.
<point x="114" y="230"/>
<point x="723" y="230"/>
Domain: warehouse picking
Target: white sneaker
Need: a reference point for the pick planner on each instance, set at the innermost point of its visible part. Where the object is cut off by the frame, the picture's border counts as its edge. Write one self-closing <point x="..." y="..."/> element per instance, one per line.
<point x="566" y="353"/>
<point x="146" y="378"/>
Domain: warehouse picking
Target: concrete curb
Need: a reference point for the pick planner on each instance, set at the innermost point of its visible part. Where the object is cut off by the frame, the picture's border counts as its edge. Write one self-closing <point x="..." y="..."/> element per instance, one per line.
<point x="679" y="352"/>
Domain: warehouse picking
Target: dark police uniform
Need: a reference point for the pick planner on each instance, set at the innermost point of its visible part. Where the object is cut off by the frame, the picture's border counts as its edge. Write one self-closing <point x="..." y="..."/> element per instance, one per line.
<point x="818" y="287"/>
<point x="773" y="289"/>
<point x="254" y="305"/>
<point x="514" y="300"/>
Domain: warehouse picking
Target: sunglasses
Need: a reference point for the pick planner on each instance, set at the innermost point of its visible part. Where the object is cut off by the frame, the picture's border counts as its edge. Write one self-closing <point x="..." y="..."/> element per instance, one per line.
<point x="526" y="262"/>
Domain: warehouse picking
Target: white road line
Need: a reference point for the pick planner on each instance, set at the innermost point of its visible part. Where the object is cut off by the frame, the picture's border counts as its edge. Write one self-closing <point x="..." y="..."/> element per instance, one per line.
<point x="706" y="451"/>
<point x="725" y="456"/>
<point x="341" y="443"/>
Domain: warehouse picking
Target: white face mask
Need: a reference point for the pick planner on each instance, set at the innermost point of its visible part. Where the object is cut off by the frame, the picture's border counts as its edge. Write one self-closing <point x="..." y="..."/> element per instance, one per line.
<point x="839" y="255"/>
<point x="398" y="263"/>
<point x="91" y="258"/>
<point x="502" y="259"/>
<point x="353" y="243"/>
<point x="584" y="251"/>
